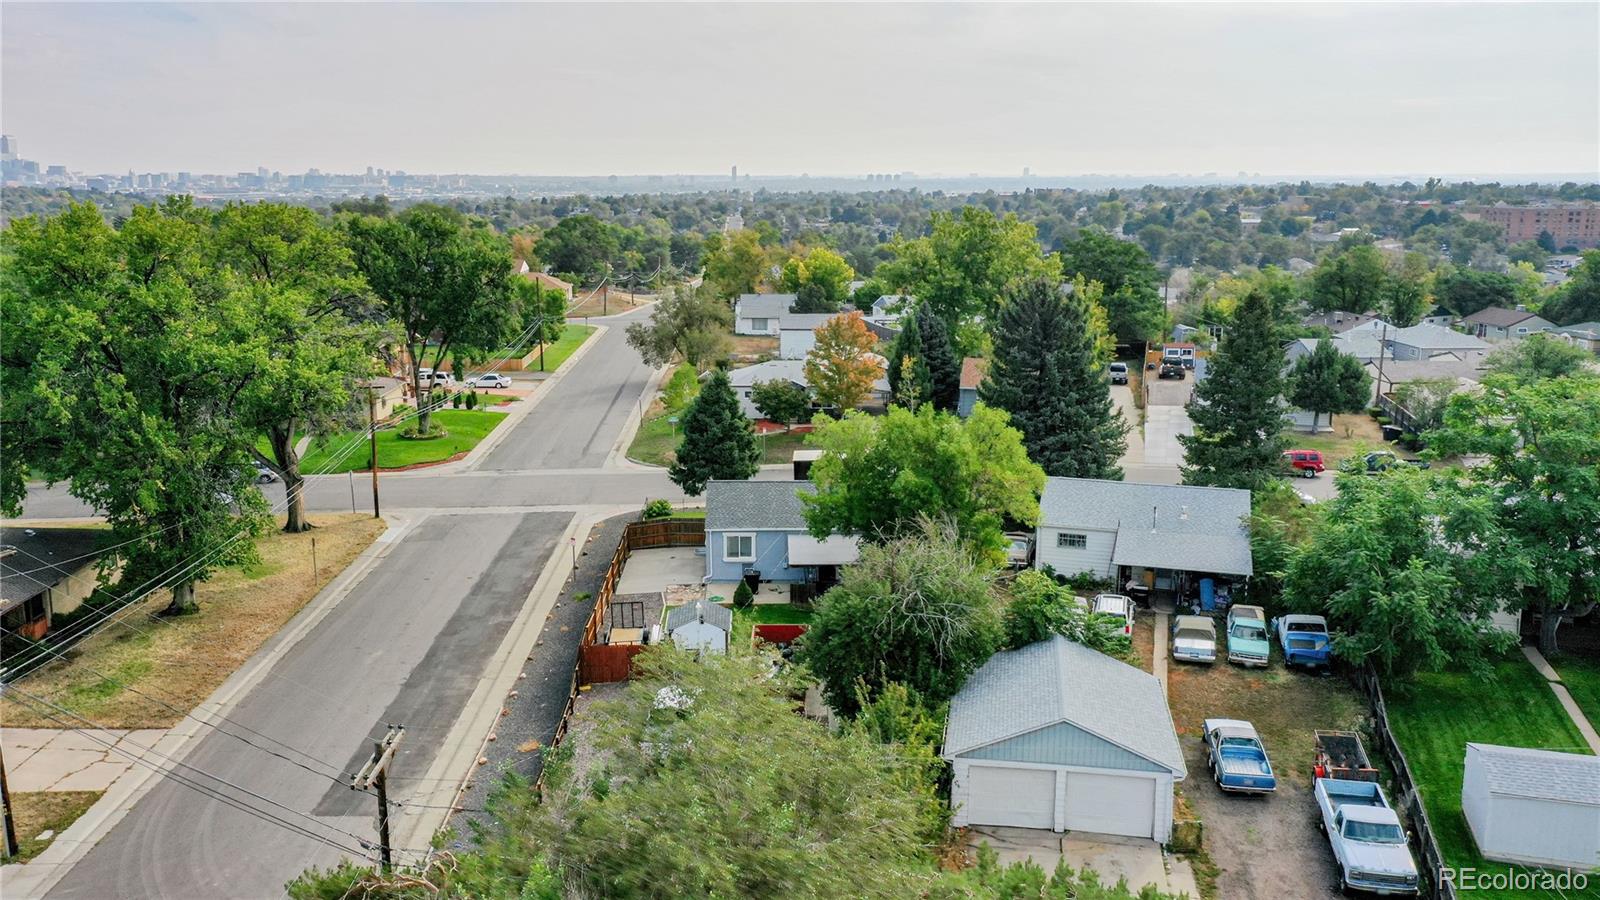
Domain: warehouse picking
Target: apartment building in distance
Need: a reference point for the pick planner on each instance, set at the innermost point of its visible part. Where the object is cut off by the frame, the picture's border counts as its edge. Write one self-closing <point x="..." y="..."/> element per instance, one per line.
<point x="1571" y="224"/>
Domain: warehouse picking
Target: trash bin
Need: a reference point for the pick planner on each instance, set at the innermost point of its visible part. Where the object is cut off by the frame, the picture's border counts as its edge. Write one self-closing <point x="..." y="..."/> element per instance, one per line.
<point x="752" y="579"/>
<point x="1392" y="432"/>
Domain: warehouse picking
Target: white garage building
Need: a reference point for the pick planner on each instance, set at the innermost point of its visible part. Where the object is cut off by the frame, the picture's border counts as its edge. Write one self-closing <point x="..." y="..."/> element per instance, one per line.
<point x="1534" y="807"/>
<point x="1055" y="735"/>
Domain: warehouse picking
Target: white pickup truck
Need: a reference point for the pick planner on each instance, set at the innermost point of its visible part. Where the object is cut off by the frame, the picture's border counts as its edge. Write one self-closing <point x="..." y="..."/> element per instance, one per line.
<point x="1369" y="844"/>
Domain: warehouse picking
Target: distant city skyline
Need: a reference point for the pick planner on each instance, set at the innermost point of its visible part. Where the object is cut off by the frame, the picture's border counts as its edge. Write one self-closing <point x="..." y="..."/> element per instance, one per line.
<point x="1301" y="90"/>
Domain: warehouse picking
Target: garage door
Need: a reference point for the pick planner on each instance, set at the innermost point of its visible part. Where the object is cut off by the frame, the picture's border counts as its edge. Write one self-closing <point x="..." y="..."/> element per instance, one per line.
<point x="1025" y="798"/>
<point x="1111" y="804"/>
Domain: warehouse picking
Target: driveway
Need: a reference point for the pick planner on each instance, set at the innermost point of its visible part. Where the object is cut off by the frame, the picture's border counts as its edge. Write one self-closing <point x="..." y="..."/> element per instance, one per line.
<point x="1139" y="860"/>
<point x="1165" y="419"/>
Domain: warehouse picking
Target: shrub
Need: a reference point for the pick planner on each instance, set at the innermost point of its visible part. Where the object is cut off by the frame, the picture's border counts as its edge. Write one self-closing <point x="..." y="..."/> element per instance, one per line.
<point x="743" y="597"/>
<point x="1384" y="420"/>
<point x="657" y="509"/>
<point x="455" y="400"/>
<point x="472" y="400"/>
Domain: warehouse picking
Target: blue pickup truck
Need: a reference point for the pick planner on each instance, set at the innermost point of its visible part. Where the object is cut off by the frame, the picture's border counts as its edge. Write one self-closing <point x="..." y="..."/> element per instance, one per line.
<point x="1236" y="757"/>
<point x="1304" y="641"/>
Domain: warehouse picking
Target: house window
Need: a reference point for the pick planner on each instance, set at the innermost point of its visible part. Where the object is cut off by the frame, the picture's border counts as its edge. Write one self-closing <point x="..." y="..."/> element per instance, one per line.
<point x="1072" y="541"/>
<point x="758" y="324"/>
<point x="739" y="547"/>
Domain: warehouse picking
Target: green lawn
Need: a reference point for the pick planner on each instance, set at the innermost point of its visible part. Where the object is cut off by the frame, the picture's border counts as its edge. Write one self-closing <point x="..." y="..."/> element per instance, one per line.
<point x="554" y="354"/>
<point x="657" y="438"/>
<point x="779" y="446"/>
<point x="466" y="427"/>
<point x="745" y="620"/>
<point x="1581" y="675"/>
<point x="1442" y="712"/>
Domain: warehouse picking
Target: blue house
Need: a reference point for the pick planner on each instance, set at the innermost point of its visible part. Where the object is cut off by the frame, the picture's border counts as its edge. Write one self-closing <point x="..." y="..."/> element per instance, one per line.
<point x="760" y="526"/>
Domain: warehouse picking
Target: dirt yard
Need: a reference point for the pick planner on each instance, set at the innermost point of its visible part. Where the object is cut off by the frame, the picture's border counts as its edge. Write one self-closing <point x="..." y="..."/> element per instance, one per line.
<point x="1265" y="848"/>
<point x="749" y="349"/>
<point x="607" y="301"/>
<point x="181" y="661"/>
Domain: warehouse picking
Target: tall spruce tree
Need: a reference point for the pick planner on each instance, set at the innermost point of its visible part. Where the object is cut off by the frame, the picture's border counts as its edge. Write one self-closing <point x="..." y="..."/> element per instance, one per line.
<point x="1044" y="374"/>
<point x="938" y="356"/>
<point x="1238" y="408"/>
<point x="718" y="441"/>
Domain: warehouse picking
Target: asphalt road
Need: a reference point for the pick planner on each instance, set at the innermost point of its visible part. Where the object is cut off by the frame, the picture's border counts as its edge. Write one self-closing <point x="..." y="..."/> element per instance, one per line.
<point x="577" y="422"/>
<point x="407" y="645"/>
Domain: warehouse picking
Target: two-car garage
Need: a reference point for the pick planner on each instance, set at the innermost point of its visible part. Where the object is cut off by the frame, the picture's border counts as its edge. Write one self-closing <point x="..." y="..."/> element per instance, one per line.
<point x="1057" y="736"/>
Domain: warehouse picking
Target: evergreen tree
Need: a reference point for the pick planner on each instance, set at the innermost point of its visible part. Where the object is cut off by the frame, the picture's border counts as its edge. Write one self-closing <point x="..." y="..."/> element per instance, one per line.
<point x="909" y="380"/>
<point x="718" y="441"/>
<point x="938" y="358"/>
<point x="1328" y="381"/>
<point x="1045" y="375"/>
<point x="1238" y="408"/>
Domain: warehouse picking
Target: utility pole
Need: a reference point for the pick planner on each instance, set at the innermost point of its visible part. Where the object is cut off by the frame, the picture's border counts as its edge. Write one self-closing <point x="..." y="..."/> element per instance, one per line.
<point x="313" y="563"/>
<point x="375" y="775"/>
<point x="5" y="801"/>
<point x="372" y="433"/>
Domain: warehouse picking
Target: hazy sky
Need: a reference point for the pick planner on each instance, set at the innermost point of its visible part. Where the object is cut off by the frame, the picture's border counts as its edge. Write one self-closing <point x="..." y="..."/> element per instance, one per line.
<point x="790" y="88"/>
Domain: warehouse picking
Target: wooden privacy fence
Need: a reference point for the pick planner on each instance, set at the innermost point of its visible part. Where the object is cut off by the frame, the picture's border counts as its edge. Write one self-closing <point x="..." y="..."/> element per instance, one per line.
<point x="600" y="662"/>
<point x="1409" y="801"/>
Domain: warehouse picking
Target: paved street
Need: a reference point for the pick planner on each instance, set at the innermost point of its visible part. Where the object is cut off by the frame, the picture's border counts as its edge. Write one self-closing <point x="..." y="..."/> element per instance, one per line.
<point x="407" y="645"/>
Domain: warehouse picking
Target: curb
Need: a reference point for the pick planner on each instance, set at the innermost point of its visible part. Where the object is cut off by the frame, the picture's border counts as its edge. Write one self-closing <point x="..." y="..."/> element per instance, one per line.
<point x="456" y="762"/>
<point x="36" y="878"/>
<point x="618" y="457"/>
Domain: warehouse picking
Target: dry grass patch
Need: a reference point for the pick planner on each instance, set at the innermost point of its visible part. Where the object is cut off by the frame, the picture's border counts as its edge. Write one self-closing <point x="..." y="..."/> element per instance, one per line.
<point x="1144" y="640"/>
<point x="39" y="812"/>
<point x="182" y="661"/>
<point x="607" y="302"/>
<point x="753" y="348"/>
<point x="1352" y="436"/>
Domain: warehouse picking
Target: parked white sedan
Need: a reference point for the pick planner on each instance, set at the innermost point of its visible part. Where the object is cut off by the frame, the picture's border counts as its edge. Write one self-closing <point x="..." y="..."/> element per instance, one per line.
<point x="489" y="380"/>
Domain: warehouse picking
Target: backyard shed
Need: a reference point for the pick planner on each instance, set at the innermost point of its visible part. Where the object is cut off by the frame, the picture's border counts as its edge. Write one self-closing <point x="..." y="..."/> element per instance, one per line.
<point x="1056" y="735"/>
<point x="1534" y="807"/>
<point x="701" y="625"/>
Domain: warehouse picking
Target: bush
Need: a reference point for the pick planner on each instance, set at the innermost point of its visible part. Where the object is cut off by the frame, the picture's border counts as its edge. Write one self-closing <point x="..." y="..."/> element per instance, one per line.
<point x="743" y="597"/>
<point x="455" y="400"/>
<point x="657" y="509"/>
<point x="472" y="400"/>
<point x="1385" y="420"/>
<point x="1375" y="411"/>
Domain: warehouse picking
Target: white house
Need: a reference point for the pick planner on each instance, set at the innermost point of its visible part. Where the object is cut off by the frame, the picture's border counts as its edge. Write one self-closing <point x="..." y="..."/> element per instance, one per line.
<point x="702" y="625"/>
<point x="1533" y="807"/>
<point x="759" y="313"/>
<point x="797" y="333"/>
<point x="1429" y="342"/>
<point x="1164" y="536"/>
<point x="1056" y="735"/>
<point x="745" y="379"/>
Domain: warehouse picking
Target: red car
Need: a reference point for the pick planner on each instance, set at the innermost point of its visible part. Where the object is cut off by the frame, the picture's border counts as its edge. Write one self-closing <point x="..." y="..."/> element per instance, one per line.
<point x="1308" y="463"/>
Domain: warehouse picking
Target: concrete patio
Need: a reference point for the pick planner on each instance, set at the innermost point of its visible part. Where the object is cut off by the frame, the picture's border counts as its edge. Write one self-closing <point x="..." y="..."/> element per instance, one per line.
<point x="648" y="571"/>
<point x="1139" y="860"/>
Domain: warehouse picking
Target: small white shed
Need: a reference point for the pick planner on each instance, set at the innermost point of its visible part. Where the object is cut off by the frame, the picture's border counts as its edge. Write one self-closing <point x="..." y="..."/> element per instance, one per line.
<point x="701" y="625"/>
<point x="1534" y="807"/>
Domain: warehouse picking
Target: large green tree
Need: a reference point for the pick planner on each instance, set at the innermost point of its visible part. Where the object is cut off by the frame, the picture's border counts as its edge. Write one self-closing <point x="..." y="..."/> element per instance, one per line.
<point x="734" y="263"/>
<point x="918" y="609"/>
<point x="1352" y="280"/>
<point x="1129" y="278"/>
<point x="581" y="246"/>
<point x="923" y="366"/>
<point x="1237" y="408"/>
<point x="1040" y="608"/>
<point x="718" y="441"/>
<point x="1542" y="479"/>
<point x="142" y="349"/>
<point x="1408" y="566"/>
<point x="544" y="313"/>
<point x="963" y="264"/>
<point x="1465" y="291"/>
<point x="1537" y="357"/>
<point x="316" y="339"/>
<point x="1045" y="372"/>
<point x="442" y="280"/>
<point x="1579" y="299"/>
<point x="879" y="474"/>
<point x="825" y="271"/>
<point x="689" y="323"/>
<point x="1327" y="381"/>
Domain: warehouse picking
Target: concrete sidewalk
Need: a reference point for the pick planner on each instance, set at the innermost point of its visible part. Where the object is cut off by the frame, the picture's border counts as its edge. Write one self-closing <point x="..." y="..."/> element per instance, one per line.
<point x="1585" y="727"/>
<point x="50" y="759"/>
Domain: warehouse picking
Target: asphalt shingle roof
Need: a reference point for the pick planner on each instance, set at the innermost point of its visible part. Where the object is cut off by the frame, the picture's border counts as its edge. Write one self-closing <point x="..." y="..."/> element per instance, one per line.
<point x="1020" y="691"/>
<point x="1166" y="526"/>
<point x="1540" y="774"/>
<point x="1432" y="337"/>
<point x="756" y="505"/>
<point x="40" y="556"/>
<point x="1498" y="316"/>
<point x="764" y="306"/>
<point x="773" y="369"/>
<point x="712" y="613"/>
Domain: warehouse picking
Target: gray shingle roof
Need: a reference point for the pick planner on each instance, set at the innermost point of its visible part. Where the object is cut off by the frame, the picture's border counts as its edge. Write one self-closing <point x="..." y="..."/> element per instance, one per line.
<point x="772" y="370"/>
<point x="1020" y="691"/>
<point x="711" y="613"/>
<point x="1540" y="774"/>
<point x="1498" y="316"/>
<point x="41" y="555"/>
<point x="1432" y="337"/>
<point x="764" y="306"/>
<point x="804" y="321"/>
<point x="756" y="505"/>
<point x="1168" y="526"/>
